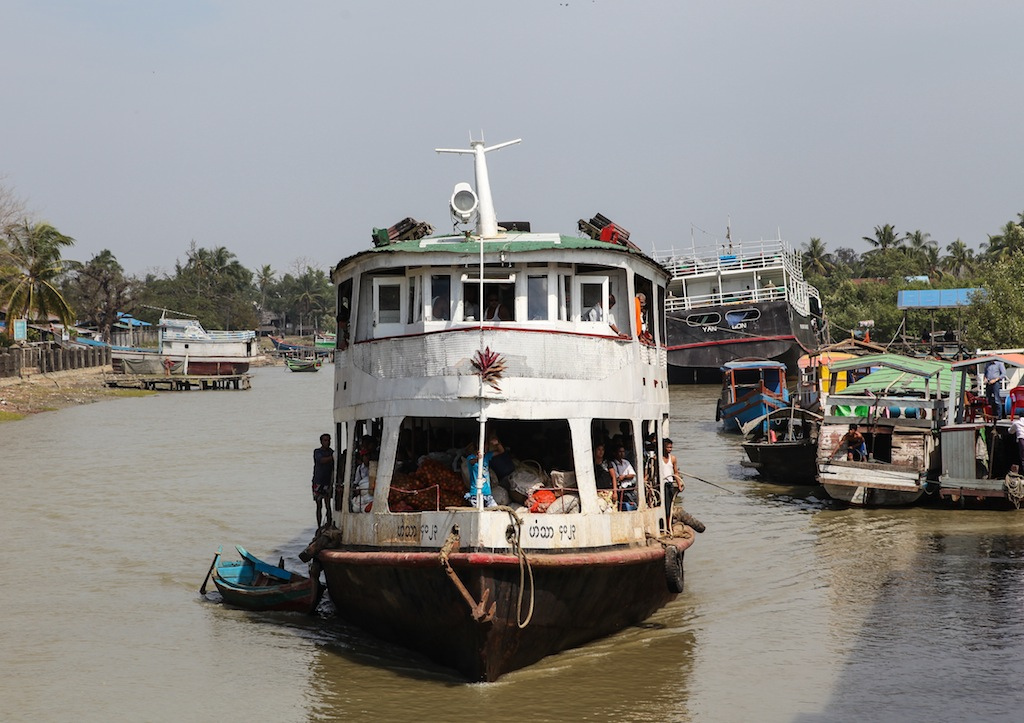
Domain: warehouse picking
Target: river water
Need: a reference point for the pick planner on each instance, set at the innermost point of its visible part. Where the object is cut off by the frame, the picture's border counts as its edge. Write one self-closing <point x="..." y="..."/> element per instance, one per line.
<point x="794" y="610"/>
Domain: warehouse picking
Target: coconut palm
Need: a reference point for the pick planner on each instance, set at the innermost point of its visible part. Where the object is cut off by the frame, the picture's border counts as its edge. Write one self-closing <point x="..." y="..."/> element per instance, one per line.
<point x="817" y="260"/>
<point x="885" y="238"/>
<point x="960" y="261"/>
<point x="1010" y="240"/>
<point x="30" y="271"/>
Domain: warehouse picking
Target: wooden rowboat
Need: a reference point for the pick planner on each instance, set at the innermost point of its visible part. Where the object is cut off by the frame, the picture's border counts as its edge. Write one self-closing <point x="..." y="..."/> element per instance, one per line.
<point x="253" y="584"/>
<point x="302" y="365"/>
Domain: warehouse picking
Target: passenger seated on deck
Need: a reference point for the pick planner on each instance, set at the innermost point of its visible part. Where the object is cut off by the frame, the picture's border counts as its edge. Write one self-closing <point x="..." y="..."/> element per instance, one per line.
<point x="624" y="480"/>
<point x="856" y="448"/>
<point x="362" y="496"/>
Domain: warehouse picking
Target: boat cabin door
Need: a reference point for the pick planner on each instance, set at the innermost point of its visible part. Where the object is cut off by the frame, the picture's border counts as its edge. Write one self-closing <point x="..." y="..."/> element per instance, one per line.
<point x="388" y="306"/>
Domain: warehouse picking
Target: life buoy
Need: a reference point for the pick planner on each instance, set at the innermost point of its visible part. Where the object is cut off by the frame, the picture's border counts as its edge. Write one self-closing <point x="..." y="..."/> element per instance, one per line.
<point x="673" y="569"/>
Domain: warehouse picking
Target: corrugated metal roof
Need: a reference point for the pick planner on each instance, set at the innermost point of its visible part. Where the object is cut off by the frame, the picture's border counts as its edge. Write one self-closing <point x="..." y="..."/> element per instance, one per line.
<point x="931" y="375"/>
<point x="1015" y="360"/>
<point x="912" y="365"/>
<point x="510" y="243"/>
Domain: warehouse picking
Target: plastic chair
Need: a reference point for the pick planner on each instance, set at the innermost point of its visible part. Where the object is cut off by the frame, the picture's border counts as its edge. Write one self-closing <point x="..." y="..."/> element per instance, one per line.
<point x="977" y="405"/>
<point x="1016" y="401"/>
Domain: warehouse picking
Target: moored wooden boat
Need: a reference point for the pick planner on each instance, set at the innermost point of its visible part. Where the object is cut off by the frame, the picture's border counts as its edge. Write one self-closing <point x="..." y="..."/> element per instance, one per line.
<point x="504" y="340"/>
<point x="980" y="460"/>
<point x="253" y="584"/>
<point x="898" y="407"/>
<point x="302" y="365"/>
<point x="787" y="455"/>
<point x="751" y="389"/>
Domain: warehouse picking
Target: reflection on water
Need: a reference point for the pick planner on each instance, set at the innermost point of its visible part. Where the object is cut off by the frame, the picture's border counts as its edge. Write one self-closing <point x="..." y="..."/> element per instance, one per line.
<point x="794" y="610"/>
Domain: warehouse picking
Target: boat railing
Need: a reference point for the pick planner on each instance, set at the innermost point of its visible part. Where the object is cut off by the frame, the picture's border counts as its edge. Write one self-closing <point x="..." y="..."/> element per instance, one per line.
<point x="747" y="296"/>
<point x="726" y="258"/>
<point x="929" y="411"/>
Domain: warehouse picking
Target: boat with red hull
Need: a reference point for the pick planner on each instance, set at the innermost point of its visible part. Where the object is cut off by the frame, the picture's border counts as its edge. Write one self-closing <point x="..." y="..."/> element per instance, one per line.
<point x="499" y="339"/>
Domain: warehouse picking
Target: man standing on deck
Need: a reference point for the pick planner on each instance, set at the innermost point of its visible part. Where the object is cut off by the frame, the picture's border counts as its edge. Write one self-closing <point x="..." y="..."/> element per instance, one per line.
<point x="995" y="372"/>
<point x="323" y="475"/>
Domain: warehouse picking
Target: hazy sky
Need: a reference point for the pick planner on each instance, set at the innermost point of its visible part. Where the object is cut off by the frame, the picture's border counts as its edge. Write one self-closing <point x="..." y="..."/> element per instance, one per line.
<point x="285" y="131"/>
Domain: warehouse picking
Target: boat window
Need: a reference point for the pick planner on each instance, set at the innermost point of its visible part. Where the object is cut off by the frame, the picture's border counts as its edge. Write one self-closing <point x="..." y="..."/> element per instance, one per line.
<point x="388" y="306"/>
<point x="432" y="471"/>
<point x="415" y="294"/>
<point x="613" y="435"/>
<point x="441" y="297"/>
<point x="741" y="316"/>
<point x="537" y="297"/>
<point x="365" y="445"/>
<point x="593" y="298"/>
<point x="499" y="300"/>
<point x="344" y="313"/>
<point x="564" y="296"/>
<point x="705" y="319"/>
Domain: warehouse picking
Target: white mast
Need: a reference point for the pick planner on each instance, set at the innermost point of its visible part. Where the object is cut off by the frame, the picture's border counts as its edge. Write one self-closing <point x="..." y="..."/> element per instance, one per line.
<point x="486" y="218"/>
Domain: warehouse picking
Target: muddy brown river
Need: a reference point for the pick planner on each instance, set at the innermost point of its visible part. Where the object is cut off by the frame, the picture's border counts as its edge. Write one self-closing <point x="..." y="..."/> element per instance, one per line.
<point x="793" y="611"/>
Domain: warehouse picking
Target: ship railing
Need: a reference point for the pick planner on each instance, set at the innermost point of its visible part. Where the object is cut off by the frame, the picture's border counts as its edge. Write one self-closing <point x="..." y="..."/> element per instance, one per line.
<point x="734" y="257"/>
<point x="747" y="296"/>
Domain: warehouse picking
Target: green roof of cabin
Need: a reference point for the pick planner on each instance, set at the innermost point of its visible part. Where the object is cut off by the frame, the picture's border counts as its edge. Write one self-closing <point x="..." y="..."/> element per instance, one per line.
<point x="898" y="375"/>
<point x="511" y="243"/>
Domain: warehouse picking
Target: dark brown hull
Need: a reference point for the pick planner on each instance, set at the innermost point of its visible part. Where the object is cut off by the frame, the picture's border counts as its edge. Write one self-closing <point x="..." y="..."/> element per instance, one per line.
<point x="788" y="463"/>
<point x="408" y="598"/>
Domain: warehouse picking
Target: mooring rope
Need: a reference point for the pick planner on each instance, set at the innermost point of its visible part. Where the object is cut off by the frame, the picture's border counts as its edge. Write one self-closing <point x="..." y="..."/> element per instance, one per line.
<point x="513" y="535"/>
<point x="1015" y="489"/>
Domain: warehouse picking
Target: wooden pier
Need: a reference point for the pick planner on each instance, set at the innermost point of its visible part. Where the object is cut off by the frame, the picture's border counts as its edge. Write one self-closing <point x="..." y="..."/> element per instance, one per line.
<point x="179" y="383"/>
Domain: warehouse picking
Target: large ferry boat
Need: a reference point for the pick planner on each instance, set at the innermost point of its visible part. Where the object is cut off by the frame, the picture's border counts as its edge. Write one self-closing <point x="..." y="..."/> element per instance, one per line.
<point x="737" y="301"/>
<point x="498" y="338"/>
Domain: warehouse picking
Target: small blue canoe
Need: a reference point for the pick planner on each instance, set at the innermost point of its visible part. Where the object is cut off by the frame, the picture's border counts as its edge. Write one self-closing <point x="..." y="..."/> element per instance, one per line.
<point x="253" y="584"/>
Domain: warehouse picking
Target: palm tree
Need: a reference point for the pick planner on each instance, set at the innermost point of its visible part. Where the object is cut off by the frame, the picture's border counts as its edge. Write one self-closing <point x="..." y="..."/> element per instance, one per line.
<point x="30" y="270"/>
<point x="885" y="238"/>
<point x="264" y="280"/>
<point x="816" y="259"/>
<point x="960" y="261"/>
<point x="1010" y="240"/>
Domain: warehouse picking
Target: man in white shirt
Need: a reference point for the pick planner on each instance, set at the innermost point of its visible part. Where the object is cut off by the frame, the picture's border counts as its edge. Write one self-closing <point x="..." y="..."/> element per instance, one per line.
<point x="1017" y="427"/>
<point x="596" y="313"/>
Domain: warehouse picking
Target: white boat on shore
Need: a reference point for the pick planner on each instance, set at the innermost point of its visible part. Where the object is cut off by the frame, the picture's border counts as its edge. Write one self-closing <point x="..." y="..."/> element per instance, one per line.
<point x="499" y="338"/>
<point x="185" y="347"/>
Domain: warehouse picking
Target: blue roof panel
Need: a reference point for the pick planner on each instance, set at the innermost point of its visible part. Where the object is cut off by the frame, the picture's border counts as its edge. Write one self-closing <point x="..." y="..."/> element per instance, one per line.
<point x="934" y="298"/>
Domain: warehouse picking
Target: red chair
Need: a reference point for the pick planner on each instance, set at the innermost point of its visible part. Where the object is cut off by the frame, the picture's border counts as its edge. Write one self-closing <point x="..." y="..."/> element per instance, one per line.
<point x="1016" y="401"/>
<point x="978" y="406"/>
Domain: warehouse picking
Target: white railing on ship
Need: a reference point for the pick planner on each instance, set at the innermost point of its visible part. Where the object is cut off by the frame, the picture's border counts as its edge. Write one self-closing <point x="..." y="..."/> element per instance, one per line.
<point x="757" y="255"/>
<point x="678" y="303"/>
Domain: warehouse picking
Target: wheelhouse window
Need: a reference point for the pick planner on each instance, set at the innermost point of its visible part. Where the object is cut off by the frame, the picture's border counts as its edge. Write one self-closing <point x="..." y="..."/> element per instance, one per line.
<point x="537" y="299"/>
<point x="441" y="297"/>
<point x="344" y="315"/>
<point x="388" y="306"/>
<point x="499" y="300"/>
<point x="593" y="296"/>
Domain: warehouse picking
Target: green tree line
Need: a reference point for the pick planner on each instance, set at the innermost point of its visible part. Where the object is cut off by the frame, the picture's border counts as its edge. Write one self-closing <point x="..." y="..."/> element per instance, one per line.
<point x="858" y="287"/>
<point x="37" y="282"/>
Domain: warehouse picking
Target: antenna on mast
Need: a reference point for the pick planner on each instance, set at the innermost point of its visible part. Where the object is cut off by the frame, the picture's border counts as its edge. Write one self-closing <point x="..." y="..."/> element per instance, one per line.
<point x="461" y="204"/>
